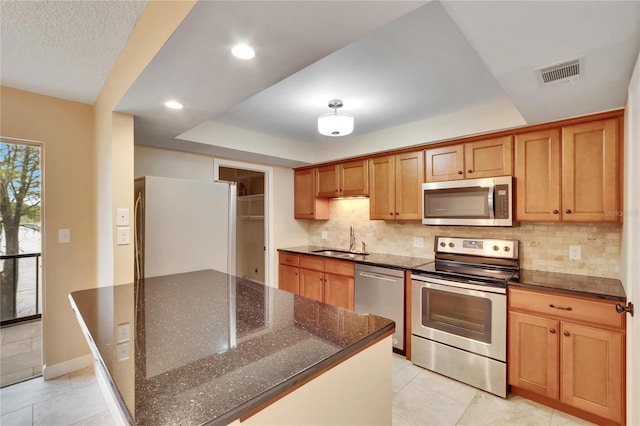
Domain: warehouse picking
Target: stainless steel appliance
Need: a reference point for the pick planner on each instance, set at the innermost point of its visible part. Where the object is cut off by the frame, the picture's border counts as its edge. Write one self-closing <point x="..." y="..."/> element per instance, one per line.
<point x="472" y="202"/>
<point x="459" y="310"/>
<point x="380" y="291"/>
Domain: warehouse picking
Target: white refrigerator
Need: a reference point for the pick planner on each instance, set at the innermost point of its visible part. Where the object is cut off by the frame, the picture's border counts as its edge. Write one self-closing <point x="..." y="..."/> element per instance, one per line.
<point x="184" y="225"/>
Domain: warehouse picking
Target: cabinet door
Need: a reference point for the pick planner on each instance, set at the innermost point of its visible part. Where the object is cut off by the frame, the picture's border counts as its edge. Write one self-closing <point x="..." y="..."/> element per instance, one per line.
<point x="446" y="163"/>
<point x="382" y="193"/>
<point x="306" y="205"/>
<point x="289" y="279"/>
<point x="327" y="181"/>
<point x="537" y="175"/>
<point x="339" y="290"/>
<point x="354" y="178"/>
<point x="592" y="370"/>
<point x="312" y="284"/>
<point x="489" y="158"/>
<point x="533" y="354"/>
<point x="409" y="173"/>
<point x="591" y="172"/>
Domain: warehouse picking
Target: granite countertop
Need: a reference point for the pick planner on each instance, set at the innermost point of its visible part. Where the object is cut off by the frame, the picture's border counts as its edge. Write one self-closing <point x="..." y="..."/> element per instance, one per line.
<point x="375" y="259"/>
<point x="576" y="285"/>
<point x="209" y="348"/>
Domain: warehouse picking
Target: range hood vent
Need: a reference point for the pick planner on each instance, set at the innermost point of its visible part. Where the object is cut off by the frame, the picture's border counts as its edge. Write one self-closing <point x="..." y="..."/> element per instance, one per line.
<point x="562" y="72"/>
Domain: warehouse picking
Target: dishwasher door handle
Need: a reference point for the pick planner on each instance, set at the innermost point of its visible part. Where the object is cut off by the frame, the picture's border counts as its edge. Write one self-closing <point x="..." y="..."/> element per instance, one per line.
<point x="378" y="277"/>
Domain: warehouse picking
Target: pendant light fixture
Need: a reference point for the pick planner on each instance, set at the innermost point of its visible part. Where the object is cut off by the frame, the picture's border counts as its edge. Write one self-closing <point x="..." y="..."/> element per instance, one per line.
<point x="335" y="123"/>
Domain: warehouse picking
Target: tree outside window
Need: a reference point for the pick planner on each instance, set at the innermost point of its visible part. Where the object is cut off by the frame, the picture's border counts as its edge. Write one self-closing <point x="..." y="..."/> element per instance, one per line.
<point x="19" y="209"/>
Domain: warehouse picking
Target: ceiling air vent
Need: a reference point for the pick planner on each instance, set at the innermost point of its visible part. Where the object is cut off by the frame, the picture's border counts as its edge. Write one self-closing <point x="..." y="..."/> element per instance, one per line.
<point x="562" y="72"/>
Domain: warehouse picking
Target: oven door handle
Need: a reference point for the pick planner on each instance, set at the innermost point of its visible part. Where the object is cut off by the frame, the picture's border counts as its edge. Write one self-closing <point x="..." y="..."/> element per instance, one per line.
<point x="443" y="284"/>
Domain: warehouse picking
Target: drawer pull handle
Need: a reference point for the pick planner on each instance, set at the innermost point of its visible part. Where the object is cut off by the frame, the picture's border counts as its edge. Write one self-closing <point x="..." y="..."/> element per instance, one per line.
<point x="552" y="331"/>
<point x="566" y="333"/>
<point x="551" y="305"/>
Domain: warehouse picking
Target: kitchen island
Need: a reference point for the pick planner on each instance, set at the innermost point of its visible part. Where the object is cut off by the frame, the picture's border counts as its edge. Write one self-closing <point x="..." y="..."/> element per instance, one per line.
<point x="208" y="348"/>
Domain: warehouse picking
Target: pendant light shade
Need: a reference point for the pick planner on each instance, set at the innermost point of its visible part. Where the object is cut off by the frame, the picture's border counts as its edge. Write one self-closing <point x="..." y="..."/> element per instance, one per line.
<point x="335" y="123"/>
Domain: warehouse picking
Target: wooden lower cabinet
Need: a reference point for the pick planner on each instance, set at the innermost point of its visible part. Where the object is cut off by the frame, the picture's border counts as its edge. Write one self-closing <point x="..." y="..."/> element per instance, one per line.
<point x="325" y="280"/>
<point x="573" y="358"/>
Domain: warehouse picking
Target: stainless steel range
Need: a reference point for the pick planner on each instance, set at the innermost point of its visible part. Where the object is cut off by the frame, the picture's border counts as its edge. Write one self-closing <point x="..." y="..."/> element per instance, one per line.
<point x="459" y="310"/>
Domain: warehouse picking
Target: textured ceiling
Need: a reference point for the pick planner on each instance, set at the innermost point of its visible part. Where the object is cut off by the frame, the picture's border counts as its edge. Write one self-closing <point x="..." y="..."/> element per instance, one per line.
<point x="64" y="49"/>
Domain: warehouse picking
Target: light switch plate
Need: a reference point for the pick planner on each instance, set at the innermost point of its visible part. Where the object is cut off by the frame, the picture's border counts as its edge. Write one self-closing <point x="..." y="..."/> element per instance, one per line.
<point x="324" y="235"/>
<point x="575" y="252"/>
<point x="122" y="351"/>
<point x="122" y="217"/>
<point x="418" y="242"/>
<point x="123" y="236"/>
<point x="124" y="332"/>
<point x="64" y="236"/>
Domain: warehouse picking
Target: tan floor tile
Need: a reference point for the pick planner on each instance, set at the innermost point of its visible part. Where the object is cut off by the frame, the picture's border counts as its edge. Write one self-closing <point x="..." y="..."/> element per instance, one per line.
<point x="15" y="348"/>
<point x="20" y="417"/>
<point x="32" y="391"/>
<point x="18" y="362"/>
<point x="69" y="408"/>
<point x="16" y="376"/>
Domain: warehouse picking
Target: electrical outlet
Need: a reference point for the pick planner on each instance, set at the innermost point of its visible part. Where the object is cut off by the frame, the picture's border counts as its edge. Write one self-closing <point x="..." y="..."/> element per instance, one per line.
<point x="123" y="236"/>
<point x="418" y="242"/>
<point x="575" y="252"/>
<point x="324" y="235"/>
<point x="122" y="351"/>
<point x="124" y="332"/>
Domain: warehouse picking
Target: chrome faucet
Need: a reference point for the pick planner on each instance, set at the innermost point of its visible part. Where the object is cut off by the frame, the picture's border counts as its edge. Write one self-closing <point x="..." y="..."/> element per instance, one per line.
<point x="352" y="239"/>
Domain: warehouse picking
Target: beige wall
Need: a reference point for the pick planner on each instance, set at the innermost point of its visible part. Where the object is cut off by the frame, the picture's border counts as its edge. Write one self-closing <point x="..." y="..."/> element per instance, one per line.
<point x="544" y="246"/>
<point x="65" y="130"/>
<point x="114" y="135"/>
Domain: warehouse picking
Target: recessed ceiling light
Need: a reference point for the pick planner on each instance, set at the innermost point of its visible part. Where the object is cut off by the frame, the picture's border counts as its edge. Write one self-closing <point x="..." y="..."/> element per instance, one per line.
<point x="173" y="105"/>
<point x="243" y="51"/>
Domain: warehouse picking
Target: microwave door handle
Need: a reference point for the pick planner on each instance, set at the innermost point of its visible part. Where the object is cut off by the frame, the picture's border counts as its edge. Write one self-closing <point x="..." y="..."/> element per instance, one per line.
<point x="490" y="201"/>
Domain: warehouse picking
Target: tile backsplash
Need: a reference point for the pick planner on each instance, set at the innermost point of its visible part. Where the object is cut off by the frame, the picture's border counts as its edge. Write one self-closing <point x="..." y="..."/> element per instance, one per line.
<point x="543" y="246"/>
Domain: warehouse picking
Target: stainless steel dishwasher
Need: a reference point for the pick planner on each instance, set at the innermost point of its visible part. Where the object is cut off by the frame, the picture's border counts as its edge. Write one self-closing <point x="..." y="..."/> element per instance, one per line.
<point x="380" y="291"/>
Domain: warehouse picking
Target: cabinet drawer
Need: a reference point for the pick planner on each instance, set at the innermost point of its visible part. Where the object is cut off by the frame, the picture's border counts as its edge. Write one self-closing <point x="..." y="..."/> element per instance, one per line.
<point x="598" y="312"/>
<point x="289" y="259"/>
<point x="339" y="267"/>
<point x="312" y="262"/>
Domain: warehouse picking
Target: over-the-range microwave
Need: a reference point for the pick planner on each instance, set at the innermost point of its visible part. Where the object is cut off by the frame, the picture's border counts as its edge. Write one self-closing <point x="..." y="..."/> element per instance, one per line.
<point x="469" y="202"/>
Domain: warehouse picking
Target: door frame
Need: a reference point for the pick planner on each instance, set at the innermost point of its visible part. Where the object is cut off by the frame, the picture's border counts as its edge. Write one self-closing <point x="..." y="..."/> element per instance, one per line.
<point x="630" y="268"/>
<point x="269" y="274"/>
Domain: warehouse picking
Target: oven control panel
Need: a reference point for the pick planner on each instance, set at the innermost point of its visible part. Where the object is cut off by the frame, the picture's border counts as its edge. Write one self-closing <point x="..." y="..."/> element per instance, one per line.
<point x="507" y="249"/>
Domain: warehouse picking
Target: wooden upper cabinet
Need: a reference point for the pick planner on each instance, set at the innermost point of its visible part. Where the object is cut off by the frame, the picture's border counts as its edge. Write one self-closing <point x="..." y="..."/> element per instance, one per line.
<point x="382" y="188"/>
<point x="445" y="163"/>
<point x="395" y="186"/>
<point x="343" y="180"/>
<point x="306" y="205"/>
<point x="591" y="172"/>
<point x="569" y="174"/>
<point x="409" y="176"/>
<point x="327" y="181"/>
<point x="487" y="158"/>
<point x="537" y="173"/>
<point x="493" y="157"/>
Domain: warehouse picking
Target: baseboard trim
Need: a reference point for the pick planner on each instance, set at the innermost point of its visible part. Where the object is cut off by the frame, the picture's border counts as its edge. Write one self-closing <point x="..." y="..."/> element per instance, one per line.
<point x="66" y="367"/>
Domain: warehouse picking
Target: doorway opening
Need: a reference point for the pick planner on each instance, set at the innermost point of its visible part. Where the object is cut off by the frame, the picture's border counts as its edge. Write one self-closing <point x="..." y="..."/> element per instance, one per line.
<point x="20" y="260"/>
<point x="252" y="217"/>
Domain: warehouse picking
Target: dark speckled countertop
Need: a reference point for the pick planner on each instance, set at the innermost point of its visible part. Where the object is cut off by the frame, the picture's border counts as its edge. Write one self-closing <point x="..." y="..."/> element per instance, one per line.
<point x="208" y="348"/>
<point x="577" y="285"/>
<point x="376" y="259"/>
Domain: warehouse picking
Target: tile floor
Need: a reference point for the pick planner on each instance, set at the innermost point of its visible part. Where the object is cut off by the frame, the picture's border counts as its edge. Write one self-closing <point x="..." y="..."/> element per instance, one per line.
<point x="420" y="397"/>
<point x="20" y="352"/>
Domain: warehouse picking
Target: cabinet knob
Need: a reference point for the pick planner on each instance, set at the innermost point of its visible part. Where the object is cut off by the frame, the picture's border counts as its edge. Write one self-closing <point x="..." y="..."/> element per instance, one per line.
<point x="390" y="213"/>
<point x="459" y="172"/>
<point x="568" y="211"/>
<point x="566" y="333"/>
<point x="621" y="309"/>
<point x="552" y="331"/>
<point x="469" y="171"/>
<point x="397" y="213"/>
<point x="556" y="212"/>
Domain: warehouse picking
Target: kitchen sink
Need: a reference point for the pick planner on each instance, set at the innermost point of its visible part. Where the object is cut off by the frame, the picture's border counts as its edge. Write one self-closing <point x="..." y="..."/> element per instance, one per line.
<point x="339" y="253"/>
